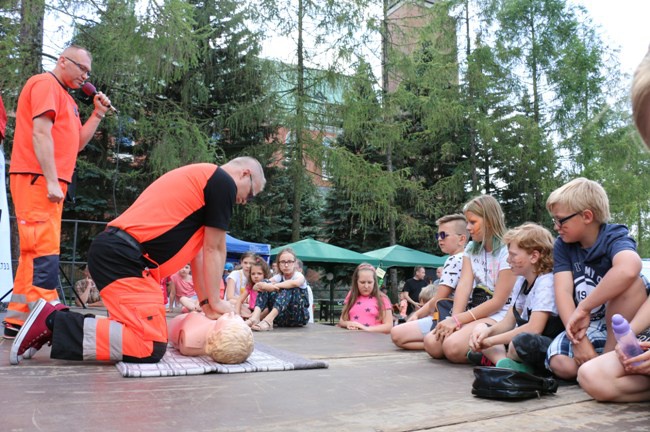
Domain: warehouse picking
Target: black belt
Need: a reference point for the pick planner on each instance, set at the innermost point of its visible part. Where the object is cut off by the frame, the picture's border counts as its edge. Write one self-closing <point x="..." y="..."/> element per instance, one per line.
<point x="126" y="237"/>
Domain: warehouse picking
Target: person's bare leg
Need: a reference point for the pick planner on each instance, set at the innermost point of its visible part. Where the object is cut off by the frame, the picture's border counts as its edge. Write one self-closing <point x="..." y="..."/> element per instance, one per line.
<point x="564" y="367"/>
<point x="627" y="304"/>
<point x="432" y="346"/>
<point x="408" y="336"/>
<point x="456" y="345"/>
<point x="512" y="353"/>
<point x="495" y="353"/>
<point x="271" y="316"/>
<point x="604" y="379"/>
<point x="255" y="317"/>
<point x="267" y="323"/>
<point x="190" y="304"/>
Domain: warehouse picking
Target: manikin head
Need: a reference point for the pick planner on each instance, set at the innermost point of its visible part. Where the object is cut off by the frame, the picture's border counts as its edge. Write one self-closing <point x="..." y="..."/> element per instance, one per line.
<point x="230" y="341"/>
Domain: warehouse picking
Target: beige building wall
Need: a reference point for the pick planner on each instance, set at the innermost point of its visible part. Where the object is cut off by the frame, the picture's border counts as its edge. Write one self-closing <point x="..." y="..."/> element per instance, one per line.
<point x="405" y="19"/>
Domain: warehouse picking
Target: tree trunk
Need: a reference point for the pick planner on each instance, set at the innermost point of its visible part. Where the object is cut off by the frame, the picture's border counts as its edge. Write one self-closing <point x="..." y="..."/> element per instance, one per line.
<point x="472" y="134"/>
<point x="32" y="15"/>
<point x="392" y="237"/>
<point x="297" y="162"/>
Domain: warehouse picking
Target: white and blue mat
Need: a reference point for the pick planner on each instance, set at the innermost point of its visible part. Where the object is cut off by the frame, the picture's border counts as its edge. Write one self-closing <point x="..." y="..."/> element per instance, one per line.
<point x="263" y="359"/>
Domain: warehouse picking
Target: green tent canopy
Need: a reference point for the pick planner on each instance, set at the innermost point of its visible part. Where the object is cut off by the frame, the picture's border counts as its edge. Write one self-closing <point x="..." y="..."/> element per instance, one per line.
<point x="310" y="250"/>
<point x="401" y="256"/>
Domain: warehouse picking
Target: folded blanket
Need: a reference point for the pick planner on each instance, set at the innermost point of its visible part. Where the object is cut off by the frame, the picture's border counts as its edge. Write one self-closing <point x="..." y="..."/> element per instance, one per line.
<point x="263" y="359"/>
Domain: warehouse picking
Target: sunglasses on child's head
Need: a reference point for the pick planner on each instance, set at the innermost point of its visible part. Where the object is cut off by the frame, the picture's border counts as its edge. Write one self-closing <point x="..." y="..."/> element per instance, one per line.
<point x="442" y="235"/>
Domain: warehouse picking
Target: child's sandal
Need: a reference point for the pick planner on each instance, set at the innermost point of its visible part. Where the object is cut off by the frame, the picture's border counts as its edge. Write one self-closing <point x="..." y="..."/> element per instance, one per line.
<point x="262" y="326"/>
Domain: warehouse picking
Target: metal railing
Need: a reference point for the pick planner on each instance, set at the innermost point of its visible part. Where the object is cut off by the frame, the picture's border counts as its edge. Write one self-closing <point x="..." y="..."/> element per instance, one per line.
<point x="72" y="234"/>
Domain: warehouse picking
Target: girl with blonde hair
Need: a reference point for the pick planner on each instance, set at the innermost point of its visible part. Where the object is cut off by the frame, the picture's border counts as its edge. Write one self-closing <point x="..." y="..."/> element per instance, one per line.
<point x="485" y="277"/>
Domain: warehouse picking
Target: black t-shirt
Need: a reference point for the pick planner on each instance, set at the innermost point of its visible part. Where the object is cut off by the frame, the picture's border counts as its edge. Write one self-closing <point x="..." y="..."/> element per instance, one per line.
<point x="413" y="287"/>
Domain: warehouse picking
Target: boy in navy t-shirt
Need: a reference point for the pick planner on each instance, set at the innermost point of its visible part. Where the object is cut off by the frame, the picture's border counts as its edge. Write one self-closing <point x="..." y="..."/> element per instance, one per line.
<point x="616" y="377"/>
<point x="596" y="274"/>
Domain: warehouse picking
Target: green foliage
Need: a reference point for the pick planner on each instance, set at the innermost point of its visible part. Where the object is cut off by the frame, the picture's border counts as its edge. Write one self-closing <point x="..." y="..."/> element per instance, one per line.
<point x="173" y="140"/>
<point x="533" y="100"/>
<point x="313" y="24"/>
<point x="425" y="156"/>
<point x="10" y="78"/>
<point x="268" y="218"/>
<point x="188" y="86"/>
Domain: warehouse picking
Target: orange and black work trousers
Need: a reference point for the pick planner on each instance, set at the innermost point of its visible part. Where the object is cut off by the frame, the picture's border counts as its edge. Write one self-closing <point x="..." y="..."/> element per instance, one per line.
<point x="39" y="230"/>
<point x="136" y="328"/>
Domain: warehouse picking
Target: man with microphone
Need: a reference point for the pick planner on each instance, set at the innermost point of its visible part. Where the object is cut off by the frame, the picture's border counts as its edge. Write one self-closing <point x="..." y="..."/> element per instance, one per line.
<point x="48" y="136"/>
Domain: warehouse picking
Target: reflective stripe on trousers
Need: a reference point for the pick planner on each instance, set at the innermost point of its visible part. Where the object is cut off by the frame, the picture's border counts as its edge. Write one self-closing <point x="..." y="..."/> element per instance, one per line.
<point x="39" y="231"/>
<point x="22" y="299"/>
<point x="135" y="306"/>
<point x="102" y="339"/>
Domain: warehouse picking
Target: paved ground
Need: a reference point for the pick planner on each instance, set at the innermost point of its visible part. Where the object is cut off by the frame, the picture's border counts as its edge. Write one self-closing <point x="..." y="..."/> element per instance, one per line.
<point x="369" y="386"/>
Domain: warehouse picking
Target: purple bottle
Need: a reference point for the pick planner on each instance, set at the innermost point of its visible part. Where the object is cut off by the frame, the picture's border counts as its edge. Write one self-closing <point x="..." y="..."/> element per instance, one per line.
<point x="625" y="337"/>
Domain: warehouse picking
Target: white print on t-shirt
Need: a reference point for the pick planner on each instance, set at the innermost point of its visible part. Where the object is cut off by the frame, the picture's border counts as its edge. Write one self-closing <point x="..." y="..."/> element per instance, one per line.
<point x="584" y="285"/>
<point x="451" y="271"/>
<point x="486" y="267"/>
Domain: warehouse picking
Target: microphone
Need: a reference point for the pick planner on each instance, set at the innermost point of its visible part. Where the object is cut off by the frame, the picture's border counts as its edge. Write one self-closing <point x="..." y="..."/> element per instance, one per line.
<point x="91" y="91"/>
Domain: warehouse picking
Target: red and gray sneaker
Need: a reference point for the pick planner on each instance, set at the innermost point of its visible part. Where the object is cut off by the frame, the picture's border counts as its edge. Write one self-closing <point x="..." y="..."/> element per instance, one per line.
<point x="34" y="333"/>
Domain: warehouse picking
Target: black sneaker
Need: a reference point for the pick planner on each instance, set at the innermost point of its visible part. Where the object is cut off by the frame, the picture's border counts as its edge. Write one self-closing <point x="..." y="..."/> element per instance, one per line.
<point x="531" y="348"/>
<point x="11" y="330"/>
<point x="478" y="359"/>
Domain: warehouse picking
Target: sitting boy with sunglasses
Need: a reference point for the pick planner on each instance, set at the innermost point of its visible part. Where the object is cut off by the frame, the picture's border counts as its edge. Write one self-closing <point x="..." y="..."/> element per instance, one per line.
<point x="452" y="238"/>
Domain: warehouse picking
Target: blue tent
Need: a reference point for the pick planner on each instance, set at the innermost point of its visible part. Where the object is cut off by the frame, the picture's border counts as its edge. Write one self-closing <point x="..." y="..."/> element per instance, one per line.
<point x="236" y="247"/>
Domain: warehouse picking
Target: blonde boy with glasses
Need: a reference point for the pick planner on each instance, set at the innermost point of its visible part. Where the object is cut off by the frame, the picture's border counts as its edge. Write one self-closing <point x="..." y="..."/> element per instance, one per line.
<point x="596" y="274"/>
<point x="616" y="377"/>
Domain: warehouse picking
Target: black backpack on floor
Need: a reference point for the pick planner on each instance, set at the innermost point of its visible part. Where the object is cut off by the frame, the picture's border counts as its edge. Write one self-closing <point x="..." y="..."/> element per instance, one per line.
<point x="501" y="383"/>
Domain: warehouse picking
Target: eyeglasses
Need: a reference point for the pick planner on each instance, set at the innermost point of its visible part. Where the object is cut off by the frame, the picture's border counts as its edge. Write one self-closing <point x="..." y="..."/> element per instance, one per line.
<point x="442" y="235"/>
<point x="82" y="68"/>
<point x="285" y="263"/>
<point x="560" y="222"/>
<point x="251" y="194"/>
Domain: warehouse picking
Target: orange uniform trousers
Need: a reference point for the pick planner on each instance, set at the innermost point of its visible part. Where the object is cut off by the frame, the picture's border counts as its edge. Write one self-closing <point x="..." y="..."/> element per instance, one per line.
<point x="136" y="327"/>
<point x="39" y="230"/>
